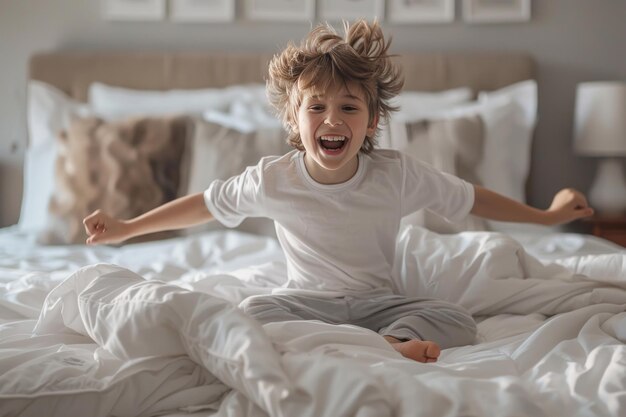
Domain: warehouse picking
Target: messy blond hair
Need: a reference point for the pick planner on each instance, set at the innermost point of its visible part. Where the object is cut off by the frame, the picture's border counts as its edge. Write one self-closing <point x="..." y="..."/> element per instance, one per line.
<point x="325" y="59"/>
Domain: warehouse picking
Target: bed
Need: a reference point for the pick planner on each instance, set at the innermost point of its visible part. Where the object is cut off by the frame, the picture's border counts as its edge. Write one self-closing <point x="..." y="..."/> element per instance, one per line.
<point x="153" y="328"/>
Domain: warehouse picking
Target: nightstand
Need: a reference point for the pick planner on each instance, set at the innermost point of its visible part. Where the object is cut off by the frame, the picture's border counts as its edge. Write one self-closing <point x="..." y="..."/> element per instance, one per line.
<point x="612" y="228"/>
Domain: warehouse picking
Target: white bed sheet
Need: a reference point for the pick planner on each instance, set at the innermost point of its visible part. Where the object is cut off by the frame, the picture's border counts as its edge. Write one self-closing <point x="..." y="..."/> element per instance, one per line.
<point x="553" y="345"/>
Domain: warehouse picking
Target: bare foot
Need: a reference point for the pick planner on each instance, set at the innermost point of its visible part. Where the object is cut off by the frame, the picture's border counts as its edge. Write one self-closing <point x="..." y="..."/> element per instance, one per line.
<point x="418" y="350"/>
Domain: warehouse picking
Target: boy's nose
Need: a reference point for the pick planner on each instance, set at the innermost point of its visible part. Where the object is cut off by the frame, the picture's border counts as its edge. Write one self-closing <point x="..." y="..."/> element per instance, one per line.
<point x="332" y="121"/>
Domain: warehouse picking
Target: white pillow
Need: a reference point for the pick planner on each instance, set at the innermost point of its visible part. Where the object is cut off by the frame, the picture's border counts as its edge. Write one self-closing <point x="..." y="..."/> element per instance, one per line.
<point x="510" y="117"/>
<point x="523" y="93"/>
<point x="505" y="163"/>
<point x="111" y="102"/>
<point x="49" y="110"/>
<point x="414" y="104"/>
<point x="245" y="116"/>
<point x="509" y="143"/>
<point x="38" y="187"/>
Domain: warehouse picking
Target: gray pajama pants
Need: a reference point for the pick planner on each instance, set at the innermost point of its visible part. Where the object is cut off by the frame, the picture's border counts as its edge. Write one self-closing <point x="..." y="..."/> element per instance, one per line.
<point x="390" y="315"/>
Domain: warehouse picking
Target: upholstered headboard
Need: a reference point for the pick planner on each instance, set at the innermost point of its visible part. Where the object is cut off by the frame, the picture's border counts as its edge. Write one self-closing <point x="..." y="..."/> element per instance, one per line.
<point x="73" y="72"/>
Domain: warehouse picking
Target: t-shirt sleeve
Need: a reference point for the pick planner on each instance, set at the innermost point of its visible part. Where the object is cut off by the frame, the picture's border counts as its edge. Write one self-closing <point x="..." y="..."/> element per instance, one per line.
<point x="233" y="200"/>
<point x="426" y="187"/>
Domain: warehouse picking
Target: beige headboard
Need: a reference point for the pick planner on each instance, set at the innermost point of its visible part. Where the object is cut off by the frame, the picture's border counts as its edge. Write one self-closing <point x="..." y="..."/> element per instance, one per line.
<point x="72" y="72"/>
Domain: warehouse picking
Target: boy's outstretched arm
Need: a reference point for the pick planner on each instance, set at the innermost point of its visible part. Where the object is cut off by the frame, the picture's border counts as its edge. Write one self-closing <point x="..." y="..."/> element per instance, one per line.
<point x="177" y="214"/>
<point x="567" y="205"/>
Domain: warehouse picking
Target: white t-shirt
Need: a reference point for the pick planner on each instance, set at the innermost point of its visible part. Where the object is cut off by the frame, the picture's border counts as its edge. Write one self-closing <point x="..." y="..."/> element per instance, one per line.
<point x="338" y="239"/>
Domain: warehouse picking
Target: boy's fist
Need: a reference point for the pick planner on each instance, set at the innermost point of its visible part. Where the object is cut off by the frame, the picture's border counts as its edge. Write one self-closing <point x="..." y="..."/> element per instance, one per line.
<point x="102" y="228"/>
<point x="567" y="205"/>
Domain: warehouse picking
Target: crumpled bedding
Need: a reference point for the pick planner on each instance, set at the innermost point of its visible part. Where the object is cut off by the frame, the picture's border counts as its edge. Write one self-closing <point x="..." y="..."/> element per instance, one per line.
<point x="153" y="329"/>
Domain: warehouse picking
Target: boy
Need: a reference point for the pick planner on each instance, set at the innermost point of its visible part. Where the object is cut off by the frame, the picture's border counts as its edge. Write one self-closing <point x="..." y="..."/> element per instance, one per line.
<point x="337" y="202"/>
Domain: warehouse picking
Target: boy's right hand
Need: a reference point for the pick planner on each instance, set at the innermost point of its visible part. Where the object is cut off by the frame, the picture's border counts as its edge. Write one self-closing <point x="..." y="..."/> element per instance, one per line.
<point x="102" y="229"/>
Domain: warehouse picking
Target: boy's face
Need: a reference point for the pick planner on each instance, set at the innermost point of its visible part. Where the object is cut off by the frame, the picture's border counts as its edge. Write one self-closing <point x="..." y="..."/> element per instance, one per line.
<point x="333" y="127"/>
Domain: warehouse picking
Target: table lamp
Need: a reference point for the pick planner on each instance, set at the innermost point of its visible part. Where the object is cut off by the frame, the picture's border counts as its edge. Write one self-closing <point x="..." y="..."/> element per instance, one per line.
<point x="600" y="131"/>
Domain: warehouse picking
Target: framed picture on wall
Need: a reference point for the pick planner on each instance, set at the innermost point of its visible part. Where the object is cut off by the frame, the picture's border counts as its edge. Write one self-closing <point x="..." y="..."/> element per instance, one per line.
<point x="280" y="10"/>
<point x="420" y="11"/>
<point x="495" y="11"/>
<point x="202" y="10"/>
<point x="133" y="9"/>
<point x="350" y="9"/>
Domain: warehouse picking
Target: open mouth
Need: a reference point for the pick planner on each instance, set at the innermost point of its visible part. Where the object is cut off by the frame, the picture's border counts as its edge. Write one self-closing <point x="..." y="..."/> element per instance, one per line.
<point x="332" y="143"/>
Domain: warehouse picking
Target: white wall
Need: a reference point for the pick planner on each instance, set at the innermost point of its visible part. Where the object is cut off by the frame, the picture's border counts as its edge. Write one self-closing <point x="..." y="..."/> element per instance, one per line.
<point x="571" y="40"/>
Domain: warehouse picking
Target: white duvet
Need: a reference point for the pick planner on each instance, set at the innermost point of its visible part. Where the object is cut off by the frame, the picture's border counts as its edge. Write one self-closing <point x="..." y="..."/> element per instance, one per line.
<point x="153" y="329"/>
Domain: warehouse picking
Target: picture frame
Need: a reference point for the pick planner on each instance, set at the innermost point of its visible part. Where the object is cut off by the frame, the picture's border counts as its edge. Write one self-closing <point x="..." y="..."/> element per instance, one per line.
<point x="199" y="11"/>
<point x="134" y="10"/>
<point x="496" y="11"/>
<point x="280" y="10"/>
<point x="420" y="11"/>
<point x="335" y="10"/>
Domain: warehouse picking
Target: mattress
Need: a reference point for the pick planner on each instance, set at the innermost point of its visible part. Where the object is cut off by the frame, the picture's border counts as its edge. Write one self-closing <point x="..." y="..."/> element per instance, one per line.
<point x="153" y="329"/>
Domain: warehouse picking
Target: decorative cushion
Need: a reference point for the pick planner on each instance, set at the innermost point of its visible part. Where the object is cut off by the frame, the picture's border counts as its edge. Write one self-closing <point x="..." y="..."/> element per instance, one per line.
<point x="453" y="145"/>
<point x="220" y="151"/>
<point x="124" y="168"/>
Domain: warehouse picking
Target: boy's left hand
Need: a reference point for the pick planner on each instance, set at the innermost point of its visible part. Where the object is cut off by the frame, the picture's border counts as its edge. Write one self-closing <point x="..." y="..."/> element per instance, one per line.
<point x="567" y="205"/>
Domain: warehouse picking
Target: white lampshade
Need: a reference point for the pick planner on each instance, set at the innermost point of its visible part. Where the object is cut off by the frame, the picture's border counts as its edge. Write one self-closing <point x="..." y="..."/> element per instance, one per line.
<point x="600" y="119"/>
<point x="600" y="130"/>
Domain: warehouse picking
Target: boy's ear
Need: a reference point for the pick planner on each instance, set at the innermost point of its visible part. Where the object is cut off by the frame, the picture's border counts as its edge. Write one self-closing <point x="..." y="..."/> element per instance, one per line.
<point x="372" y="127"/>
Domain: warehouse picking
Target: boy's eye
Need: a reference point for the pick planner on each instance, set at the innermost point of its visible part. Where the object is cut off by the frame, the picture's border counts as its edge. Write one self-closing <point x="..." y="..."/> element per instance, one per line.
<point x="316" y="107"/>
<point x="350" y="108"/>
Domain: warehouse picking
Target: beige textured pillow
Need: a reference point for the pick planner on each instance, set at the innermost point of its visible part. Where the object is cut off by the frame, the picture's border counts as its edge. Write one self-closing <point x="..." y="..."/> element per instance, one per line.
<point x="452" y="145"/>
<point x="124" y="168"/>
<point x="220" y="152"/>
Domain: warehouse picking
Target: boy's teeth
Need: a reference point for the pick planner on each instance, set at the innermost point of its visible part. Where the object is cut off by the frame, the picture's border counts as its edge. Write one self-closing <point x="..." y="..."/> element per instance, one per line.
<point x="333" y="138"/>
